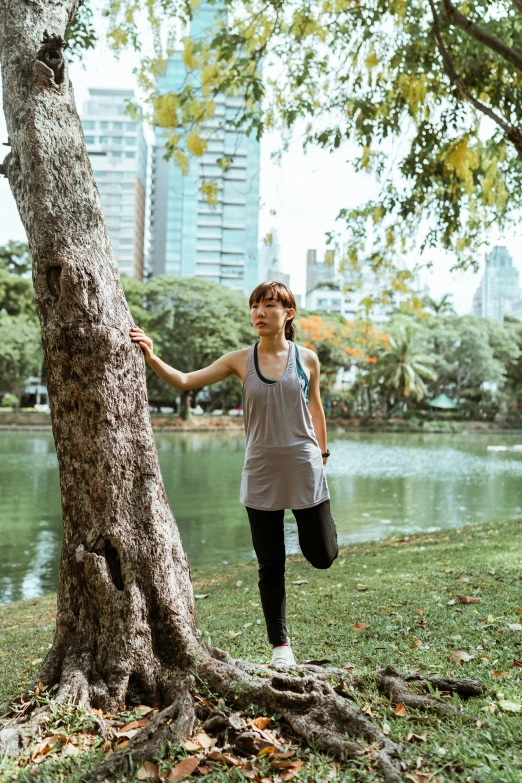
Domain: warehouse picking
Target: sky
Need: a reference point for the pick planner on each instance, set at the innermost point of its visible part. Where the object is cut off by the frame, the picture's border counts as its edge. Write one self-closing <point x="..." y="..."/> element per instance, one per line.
<point x="306" y="191"/>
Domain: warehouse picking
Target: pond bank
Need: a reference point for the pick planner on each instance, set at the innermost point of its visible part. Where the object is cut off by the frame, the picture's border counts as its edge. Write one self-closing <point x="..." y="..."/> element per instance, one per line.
<point x="41" y="422"/>
<point x="391" y="602"/>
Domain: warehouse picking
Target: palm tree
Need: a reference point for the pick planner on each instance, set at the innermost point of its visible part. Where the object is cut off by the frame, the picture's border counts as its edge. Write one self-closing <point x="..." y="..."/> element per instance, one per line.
<point x="443" y="307"/>
<point x="404" y="366"/>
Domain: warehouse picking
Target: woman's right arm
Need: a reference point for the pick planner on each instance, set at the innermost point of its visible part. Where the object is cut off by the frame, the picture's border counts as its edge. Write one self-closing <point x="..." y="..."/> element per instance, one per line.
<point x="185" y="381"/>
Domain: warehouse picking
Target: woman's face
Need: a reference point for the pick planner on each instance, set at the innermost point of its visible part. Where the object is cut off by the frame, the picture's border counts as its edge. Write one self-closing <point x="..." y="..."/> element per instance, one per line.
<point x="269" y="317"/>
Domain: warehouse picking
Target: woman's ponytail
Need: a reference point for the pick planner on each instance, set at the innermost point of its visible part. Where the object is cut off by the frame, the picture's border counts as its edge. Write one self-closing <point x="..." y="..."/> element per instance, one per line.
<point x="290" y="330"/>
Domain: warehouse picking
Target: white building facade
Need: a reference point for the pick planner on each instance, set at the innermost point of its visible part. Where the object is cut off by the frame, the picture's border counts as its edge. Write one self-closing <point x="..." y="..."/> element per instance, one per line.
<point x="499" y="292"/>
<point x="118" y="155"/>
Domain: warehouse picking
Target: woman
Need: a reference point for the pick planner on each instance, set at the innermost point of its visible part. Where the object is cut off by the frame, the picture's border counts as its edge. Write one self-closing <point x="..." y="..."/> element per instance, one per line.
<point x="285" y="446"/>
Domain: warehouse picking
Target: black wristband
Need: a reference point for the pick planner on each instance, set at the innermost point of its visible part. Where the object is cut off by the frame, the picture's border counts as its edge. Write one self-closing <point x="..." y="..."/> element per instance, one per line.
<point x="326" y="454"/>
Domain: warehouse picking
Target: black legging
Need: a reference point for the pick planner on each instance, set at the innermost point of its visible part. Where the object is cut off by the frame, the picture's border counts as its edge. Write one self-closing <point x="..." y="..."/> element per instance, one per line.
<point x="318" y="542"/>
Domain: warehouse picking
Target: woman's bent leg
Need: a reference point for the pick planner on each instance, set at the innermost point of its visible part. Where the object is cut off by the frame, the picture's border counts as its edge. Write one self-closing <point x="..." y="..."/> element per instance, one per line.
<point x="317" y="534"/>
<point x="269" y="544"/>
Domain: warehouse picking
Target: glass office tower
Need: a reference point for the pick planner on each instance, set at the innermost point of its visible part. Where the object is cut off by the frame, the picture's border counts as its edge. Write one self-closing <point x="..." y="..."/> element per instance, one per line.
<point x="188" y="236"/>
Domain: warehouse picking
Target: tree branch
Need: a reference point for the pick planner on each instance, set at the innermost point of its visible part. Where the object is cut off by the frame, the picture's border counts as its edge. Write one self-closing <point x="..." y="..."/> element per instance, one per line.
<point x="494" y="43"/>
<point x="513" y="134"/>
<point x="518" y="5"/>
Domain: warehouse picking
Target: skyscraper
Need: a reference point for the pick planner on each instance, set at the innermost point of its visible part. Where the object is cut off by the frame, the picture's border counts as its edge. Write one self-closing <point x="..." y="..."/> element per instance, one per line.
<point x="269" y="267"/>
<point x="499" y="289"/>
<point x="118" y="154"/>
<point x="319" y="272"/>
<point x="188" y="236"/>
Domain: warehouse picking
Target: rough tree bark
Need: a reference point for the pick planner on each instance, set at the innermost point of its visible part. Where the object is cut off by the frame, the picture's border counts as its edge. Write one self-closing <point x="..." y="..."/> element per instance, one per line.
<point x="126" y="628"/>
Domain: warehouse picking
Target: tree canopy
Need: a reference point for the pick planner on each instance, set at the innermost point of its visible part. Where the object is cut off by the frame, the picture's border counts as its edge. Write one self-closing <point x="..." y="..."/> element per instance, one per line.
<point x="428" y="94"/>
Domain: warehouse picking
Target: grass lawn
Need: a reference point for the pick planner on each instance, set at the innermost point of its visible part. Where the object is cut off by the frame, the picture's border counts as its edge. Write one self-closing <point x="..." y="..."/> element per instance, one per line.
<point x="403" y="593"/>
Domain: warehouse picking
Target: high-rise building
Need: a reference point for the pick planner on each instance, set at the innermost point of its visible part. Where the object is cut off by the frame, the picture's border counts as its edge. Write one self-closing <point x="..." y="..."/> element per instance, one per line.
<point x="118" y="154"/>
<point x="269" y="260"/>
<point x="319" y="272"/>
<point x="268" y="255"/>
<point x="499" y="291"/>
<point x="188" y="236"/>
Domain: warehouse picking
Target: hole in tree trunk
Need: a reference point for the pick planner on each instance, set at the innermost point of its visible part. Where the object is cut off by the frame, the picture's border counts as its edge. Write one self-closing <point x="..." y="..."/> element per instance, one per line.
<point x="51" y="54"/>
<point x="53" y="280"/>
<point x="104" y="548"/>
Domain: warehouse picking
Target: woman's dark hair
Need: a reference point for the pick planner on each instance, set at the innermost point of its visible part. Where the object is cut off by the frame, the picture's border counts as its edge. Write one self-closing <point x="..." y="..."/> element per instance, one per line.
<point x="280" y="293"/>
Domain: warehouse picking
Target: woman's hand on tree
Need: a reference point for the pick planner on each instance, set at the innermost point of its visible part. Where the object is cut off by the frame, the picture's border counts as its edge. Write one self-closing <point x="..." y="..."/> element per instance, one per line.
<point x="145" y="343"/>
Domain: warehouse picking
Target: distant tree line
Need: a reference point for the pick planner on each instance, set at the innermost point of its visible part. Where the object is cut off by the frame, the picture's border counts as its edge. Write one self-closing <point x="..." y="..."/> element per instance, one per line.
<point x="367" y="370"/>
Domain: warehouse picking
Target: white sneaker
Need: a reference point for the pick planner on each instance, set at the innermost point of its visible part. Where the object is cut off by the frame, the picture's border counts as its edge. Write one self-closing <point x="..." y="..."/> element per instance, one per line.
<point x="282" y="657"/>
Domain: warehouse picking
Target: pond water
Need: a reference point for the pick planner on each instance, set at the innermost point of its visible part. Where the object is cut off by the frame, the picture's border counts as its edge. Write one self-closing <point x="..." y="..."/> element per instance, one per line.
<point x="379" y="483"/>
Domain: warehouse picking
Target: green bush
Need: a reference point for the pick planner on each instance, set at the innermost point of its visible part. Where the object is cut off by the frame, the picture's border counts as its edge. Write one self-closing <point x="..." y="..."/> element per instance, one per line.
<point x="10" y="401"/>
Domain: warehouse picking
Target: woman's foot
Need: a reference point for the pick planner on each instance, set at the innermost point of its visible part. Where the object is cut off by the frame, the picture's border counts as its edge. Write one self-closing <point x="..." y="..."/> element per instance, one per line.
<point x="282" y="657"/>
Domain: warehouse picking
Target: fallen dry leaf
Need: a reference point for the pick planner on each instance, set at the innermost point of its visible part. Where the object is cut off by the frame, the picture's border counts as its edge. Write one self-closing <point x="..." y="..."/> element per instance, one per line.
<point x="135" y="724"/>
<point x="184" y="769"/>
<point x="43" y="747"/>
<point x="349" y="665"/>
<point x="515" y="626"/>
<point x="227" y="758"/>
<point x="191" y="746"/>
<point x="285" y="755"/>
<point x="143" y="709"/>
<point x="460" y="656"/>
<point x="266" y="751"/>
<point x="358" y="626"/>
<point x="417" y="643"/>
<point x="517" y="663"/>
<point x="417" y="777"/>
<point x="70" y="749"/>
<point x="467" y="599"/>
<point x="249" y="771"/>
<point x="148" y="771"/>
<point x="261" y="722"/>
<point x="496" y="673"/>
<point x="292" y="771"/>
<point x="400" y="710"/>
<point x="201" y="595"/>
<point x="422" y="737"/>
<point x="204" y="740"/>
<point x="510" y="706"/>
<point x="300" y="582"/>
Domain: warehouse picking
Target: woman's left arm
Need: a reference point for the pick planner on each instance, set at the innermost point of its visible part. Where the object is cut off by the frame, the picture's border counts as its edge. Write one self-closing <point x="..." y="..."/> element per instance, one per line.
<point x="315" y="404"/>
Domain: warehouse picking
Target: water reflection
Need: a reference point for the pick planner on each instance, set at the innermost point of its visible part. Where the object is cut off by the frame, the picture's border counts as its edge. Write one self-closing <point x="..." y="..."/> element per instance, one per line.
<point x="380" y="484"/>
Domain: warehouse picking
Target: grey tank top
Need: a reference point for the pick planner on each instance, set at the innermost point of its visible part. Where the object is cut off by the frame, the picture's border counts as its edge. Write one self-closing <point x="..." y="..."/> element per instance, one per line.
<point x="283" y="464"/>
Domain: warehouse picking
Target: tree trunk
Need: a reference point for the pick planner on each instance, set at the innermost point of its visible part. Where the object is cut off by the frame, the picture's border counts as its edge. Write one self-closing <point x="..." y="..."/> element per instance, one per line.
<point x="126" y="614"/>
<point x="184" y="409"/>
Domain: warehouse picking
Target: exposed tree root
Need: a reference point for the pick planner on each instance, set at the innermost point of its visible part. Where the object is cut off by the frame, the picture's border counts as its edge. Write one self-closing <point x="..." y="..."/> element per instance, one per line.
<point x="315" y="703"/>
<point x="396" y="686"/>
<point x="175" y="723"/>
<point x="316" y="710"/>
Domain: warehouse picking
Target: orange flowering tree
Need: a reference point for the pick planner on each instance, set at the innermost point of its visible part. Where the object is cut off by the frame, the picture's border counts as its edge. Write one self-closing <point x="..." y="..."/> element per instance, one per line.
<point x="342" y="344"/>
